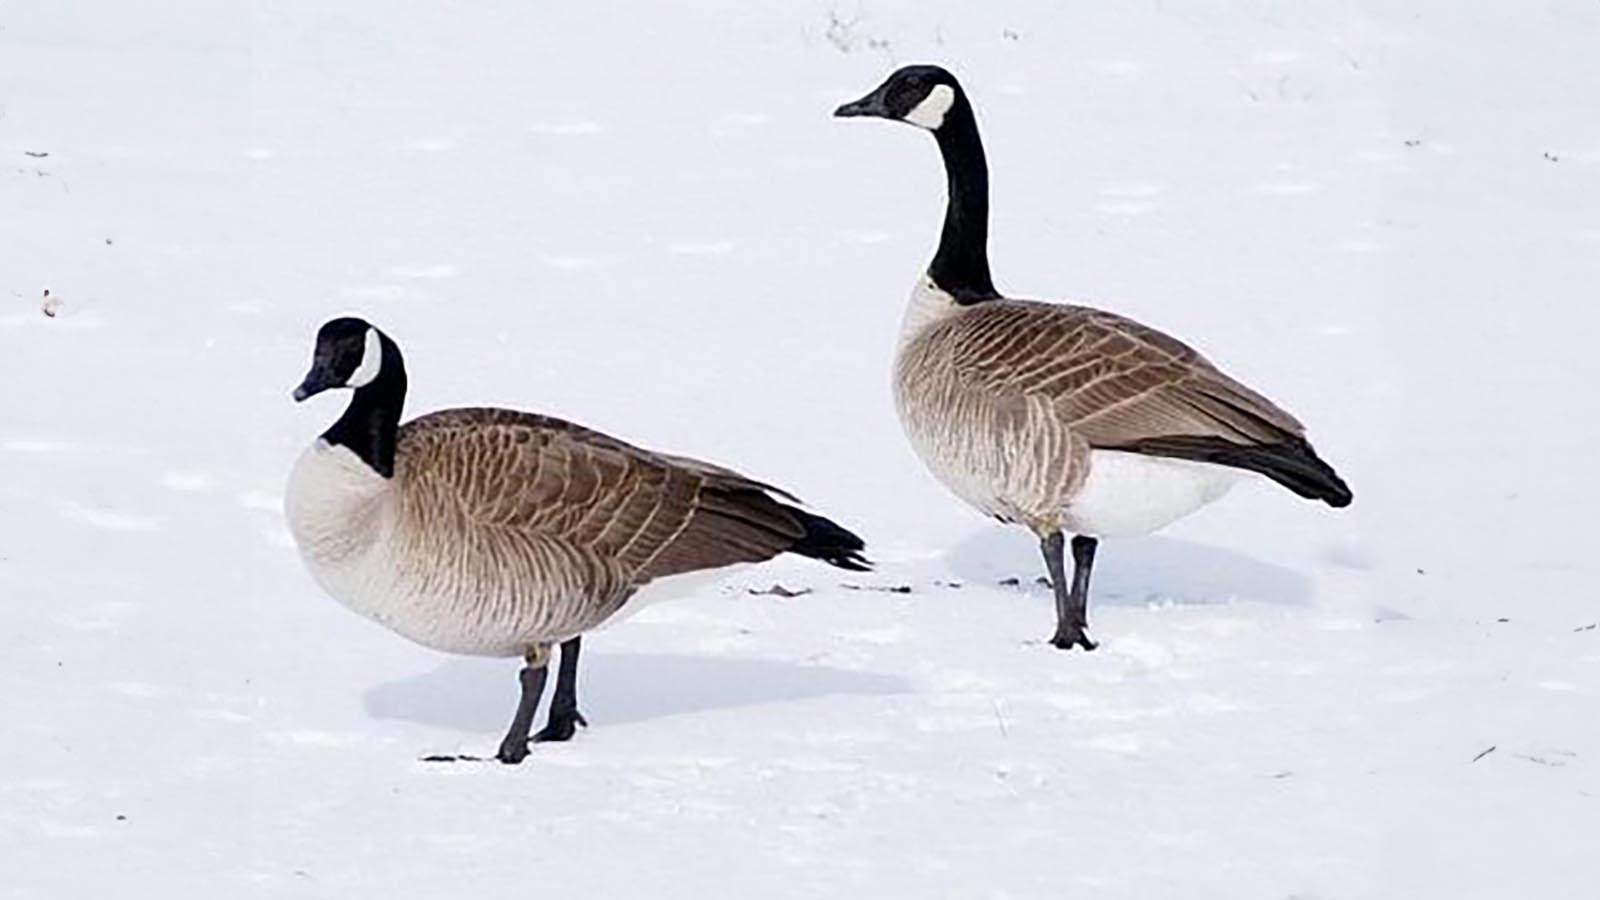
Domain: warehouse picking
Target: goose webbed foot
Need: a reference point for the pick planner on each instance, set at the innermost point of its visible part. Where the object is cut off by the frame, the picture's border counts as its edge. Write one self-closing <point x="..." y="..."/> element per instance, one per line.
<point x="512" y="752"/>
<point x="562" y="725"/>
<point x="1072" y="636"/>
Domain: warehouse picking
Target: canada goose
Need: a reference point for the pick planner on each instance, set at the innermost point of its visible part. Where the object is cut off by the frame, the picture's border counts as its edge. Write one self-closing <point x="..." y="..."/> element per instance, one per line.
<point x="493" y="532"/>
<point x="1056" y="417"/>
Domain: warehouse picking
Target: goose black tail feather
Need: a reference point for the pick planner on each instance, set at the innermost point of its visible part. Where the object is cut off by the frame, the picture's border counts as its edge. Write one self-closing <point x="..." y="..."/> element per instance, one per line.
<point x="829" y="542"/>
<point x="1291" y="463"/>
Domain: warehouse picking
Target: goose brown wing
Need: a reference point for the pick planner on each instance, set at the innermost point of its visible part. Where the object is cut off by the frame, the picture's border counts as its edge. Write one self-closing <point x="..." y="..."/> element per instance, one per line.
<point x="1114" y="382"/>
<point x="1120" y="385"/>
<point x="623" y="508"/>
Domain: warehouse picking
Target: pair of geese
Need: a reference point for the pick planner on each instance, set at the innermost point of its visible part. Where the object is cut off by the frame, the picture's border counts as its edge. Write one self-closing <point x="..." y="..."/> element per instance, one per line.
<point x="493" y="532"/>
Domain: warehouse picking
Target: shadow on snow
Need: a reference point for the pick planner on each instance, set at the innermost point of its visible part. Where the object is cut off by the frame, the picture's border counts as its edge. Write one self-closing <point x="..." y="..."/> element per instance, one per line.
<point x="478" y="695"/>
<point x="1137" y="571"/>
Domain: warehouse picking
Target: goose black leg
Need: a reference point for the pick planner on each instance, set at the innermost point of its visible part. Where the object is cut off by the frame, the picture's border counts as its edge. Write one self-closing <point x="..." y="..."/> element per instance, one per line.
<point x="514" y="748"/>
<point x="1072" y="604"/>
<point x="564" y="716"/>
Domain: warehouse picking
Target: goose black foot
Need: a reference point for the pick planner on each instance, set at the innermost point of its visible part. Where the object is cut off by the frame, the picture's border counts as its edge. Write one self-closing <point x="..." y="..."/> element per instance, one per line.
<point x="563" y="724"/>
<point x="564" y="716"/>
<point x="512" y="752"/>
<point x="1069" y="637"/>
<point x="514" y="747"/>
<point x="1072" y="603"/>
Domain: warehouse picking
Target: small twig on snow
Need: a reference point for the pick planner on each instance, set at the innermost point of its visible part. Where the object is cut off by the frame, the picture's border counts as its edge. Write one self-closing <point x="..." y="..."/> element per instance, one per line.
<point x="1000" y="717"/>
<point x="778" y="590"/>
<point x="885" y="588"/>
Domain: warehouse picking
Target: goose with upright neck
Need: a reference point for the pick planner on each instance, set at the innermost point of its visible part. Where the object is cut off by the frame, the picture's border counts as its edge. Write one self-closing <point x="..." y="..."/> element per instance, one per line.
<point x="493" y="532"/>
<point x="1062" y="418"/>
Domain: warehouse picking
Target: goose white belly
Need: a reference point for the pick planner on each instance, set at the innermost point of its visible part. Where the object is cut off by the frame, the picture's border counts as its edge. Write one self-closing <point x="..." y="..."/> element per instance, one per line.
<point x="1128" y="494"/>
<point x="340" y="513"/>
<point x="683" y="586"/>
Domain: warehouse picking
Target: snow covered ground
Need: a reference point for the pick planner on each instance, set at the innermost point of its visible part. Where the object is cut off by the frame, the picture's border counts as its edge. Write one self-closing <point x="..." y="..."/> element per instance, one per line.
<point x="1385" y="215"/>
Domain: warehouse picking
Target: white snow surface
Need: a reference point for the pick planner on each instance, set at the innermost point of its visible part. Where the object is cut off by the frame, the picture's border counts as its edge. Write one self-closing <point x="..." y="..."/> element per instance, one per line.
<point x="1384" y="215"/>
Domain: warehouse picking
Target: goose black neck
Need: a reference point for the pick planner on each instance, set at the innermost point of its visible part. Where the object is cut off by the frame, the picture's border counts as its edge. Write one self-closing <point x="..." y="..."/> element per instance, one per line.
<point x="371" y="422"/>
<point x="961" y="265"/>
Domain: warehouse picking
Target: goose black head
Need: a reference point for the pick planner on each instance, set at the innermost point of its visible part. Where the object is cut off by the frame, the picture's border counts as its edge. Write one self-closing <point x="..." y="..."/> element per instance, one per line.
<point x="350" y="353"/>
<point x="920" y="95"/>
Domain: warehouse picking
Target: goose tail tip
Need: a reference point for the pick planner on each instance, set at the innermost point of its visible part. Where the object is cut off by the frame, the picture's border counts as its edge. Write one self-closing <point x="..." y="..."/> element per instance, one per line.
<point x="830" y="542"/>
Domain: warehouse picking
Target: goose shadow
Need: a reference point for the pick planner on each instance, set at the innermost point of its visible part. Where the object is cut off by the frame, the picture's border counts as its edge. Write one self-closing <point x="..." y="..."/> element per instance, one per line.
<point x="478" y="695"/>
<point x="1137" y="571"/>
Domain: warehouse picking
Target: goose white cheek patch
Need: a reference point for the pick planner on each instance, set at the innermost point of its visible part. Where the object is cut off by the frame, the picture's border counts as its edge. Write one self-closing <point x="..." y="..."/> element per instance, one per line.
<point x="371" y="361"/>
<point x="930" y="112"/>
